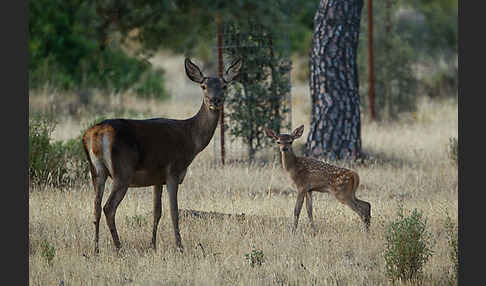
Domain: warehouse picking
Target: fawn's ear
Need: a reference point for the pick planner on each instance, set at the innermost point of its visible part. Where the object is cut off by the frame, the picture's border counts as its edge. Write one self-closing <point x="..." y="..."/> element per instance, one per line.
<point x="270" y="133"/>
<point x="193" y="72"/>
<point x="298" y="132"/>
<point x="233" y="70"/>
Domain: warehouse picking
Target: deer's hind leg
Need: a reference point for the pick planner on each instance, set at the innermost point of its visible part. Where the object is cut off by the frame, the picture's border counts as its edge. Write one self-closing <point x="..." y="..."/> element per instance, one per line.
<point x="98" y="176"/>
<point x="121" y="181"/>
<point x="346" y="194"/>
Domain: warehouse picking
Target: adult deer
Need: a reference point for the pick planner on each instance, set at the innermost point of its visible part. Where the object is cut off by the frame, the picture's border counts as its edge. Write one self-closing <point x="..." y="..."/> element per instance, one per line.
<point x="152" y="152"/>
<point x="311" y="175"/>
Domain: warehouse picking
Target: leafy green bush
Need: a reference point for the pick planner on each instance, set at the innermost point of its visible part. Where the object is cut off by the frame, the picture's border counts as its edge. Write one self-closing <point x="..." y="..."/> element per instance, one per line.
<point x="395" y="83"/>
<point x="136" y="221"/>
<point x="152" y="85"/>
<point x="48" y="251"/>
<point x="255" y="257"/>
<point x="407" y="246"/>
<point x="55" y="164"/>
<point x="45" y="158"/>
<point x="67" y="51"/>
<point x="453" y="149"/>
<point x="452" y="240"/>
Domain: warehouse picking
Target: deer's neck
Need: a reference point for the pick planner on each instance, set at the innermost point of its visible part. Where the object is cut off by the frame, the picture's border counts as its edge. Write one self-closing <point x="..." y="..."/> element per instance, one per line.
<point x="204" y="124"/>
<point x="289" y="160"/>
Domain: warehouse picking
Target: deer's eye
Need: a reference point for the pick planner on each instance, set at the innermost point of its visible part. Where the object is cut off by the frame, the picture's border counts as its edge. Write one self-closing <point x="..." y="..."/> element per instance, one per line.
<point x="278" y="141"/>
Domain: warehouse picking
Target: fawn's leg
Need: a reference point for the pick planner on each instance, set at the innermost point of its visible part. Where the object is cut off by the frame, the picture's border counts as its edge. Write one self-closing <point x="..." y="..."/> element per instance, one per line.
<point x="308" y="201"/>
<point x="345" y="194"/>
<point x="364" y="211"/>
<point x="157" y="211"/>
<point x="298" y="208"/>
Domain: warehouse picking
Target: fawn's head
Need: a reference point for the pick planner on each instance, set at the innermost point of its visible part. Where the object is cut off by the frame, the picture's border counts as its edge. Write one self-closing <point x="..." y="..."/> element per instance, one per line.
<point x="285" y="140"/>
<point x="213" y="87"/>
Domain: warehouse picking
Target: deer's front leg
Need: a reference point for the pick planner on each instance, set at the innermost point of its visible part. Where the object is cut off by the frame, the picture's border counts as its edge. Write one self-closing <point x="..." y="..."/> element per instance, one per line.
<point x="157" y="212"/>
<point x="172" y="188"/>
<point x="298" y="208"/>
<point x="308" y="204"/>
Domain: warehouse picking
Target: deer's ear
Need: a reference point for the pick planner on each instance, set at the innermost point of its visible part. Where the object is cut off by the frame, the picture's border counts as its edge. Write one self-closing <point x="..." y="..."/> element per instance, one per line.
<point x="298" y="132"/>
<point x="270" y="133"/>
<point x="233" y="70"/>
<point x="193" y="72"/>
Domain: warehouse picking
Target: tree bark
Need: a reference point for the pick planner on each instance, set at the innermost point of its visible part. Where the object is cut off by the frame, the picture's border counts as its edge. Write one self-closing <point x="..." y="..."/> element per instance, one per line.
<point x="335" y="131"/>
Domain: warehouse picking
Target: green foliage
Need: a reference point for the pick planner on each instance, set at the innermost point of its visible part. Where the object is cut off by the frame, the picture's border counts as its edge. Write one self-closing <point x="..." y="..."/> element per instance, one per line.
<point x="407" y="247"/>
<point x="453" y="150"/>
<point x="394" y="79"/>
<point x="255" y="257"/>
<point x="48" y="251"/>
<point x="136" y="221"/>
<point x="56" y="164"/>
<point x="151" y="85"/>
<point x="440" y="33"/>
<point x="44" y="157"/>
<point x="302" y="26"/>
<point x="443" y="82"/>
<point x="452" y="240"/>
<point x="259" y="100"/>
<point x="70" y="48"/>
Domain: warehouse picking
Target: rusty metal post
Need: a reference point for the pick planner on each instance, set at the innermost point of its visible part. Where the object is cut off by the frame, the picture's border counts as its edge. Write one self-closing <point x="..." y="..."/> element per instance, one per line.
<point x="371" y="76"/>
<point x="220" y="74"/>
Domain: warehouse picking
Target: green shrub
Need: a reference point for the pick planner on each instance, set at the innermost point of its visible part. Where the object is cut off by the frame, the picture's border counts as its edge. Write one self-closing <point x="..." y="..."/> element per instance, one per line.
<point x="255" y="257"/>
<point x="45" y="158"/>
<point x="137" y="221"/>
<point x="407" y="247"/>
<point x="152" y="85"/>
<point x="452" y="240"/>
<point x="48" y="251"/>
<point x="54" y="164"/>
<point x="453" y="149"/>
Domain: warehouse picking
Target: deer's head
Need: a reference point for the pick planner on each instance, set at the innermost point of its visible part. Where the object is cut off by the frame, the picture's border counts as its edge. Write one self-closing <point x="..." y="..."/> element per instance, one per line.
<point x="213" y="88"/>
<point x="285" y="140"/>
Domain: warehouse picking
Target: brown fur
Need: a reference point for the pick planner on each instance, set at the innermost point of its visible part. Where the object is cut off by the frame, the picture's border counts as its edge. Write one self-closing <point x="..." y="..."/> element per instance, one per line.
<point x="152" y="152"/>
<point x="309" y="175"/>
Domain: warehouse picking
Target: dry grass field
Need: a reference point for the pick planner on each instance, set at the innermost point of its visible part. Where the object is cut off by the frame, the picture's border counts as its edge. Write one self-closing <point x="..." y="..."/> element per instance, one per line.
<point x="409" y="166"/>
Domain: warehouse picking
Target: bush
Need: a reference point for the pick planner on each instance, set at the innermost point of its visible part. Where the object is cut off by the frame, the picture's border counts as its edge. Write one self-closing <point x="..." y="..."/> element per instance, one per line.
<point x="395" y="84"/>
<point x="255" y="257"/>
<point x="453" y="149"/>
<point x="152" y="85"/>
<point x="54" y="164"/>
<point x="451" y="230"/>
<point x="136" y="221"/>
<point x="48" y="251"/>
<point x="45" y="159"/>
<point x="407" y="247"/>
<point x="55" y="25"/>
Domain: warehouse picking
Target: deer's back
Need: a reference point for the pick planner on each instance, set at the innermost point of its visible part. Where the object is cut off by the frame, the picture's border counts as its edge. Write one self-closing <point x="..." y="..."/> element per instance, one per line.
<point x="316" y="173"/>
<point x="153" y="143"/>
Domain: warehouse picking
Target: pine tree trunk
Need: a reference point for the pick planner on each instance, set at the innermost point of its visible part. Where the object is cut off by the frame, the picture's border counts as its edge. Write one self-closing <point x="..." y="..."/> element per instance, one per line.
<point x="335" y="131"/>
